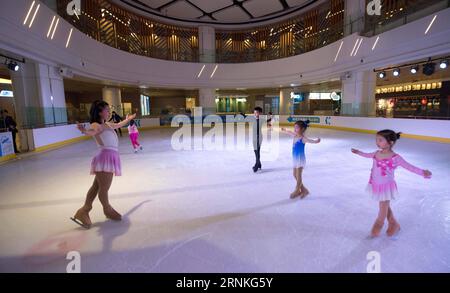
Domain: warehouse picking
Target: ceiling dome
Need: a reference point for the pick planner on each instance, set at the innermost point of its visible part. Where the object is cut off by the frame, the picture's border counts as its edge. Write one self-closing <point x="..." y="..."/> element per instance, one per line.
<point x="231" y="12"/>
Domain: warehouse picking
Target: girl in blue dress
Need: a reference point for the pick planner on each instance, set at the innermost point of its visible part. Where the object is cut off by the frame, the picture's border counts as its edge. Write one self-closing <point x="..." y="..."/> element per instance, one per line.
<point x="298" y="155"/>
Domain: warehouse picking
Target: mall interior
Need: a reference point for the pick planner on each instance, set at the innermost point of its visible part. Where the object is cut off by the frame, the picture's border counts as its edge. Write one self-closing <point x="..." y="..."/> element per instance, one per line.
<point x="350" y="67"/>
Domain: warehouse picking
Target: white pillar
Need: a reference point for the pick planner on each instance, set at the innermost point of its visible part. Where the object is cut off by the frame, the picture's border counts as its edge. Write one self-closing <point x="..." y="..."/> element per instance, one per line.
<point x="39" y="95"/>
<point x="113" y="97"/>
<point x="26" y="102"/>
<point x="207" y="100"/>
<point x="358" y="94"/>
<point x="285" y="102"/>
<point x="51" y="94"/>
<point x="355" y="11"/>
<point x="39" y="99"/>
<point x="207" y="44"/>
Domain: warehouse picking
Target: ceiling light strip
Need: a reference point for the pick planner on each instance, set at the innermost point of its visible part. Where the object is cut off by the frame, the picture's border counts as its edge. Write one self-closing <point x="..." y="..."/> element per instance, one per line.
<point x="34" y="15"/>
<point x="29" y="11"/>
<point x="339" y="51"/>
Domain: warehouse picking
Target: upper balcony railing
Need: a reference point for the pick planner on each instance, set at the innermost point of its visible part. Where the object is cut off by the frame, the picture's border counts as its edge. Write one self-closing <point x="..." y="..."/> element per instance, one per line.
<point x="114" y="26"/>
<point x="124" y="30"/>
<point x="316" y="28"/>
<point x="395" y="13"/>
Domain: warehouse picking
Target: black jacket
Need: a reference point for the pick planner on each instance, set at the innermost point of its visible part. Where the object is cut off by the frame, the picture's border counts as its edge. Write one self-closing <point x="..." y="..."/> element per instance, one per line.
<point x="10" y="124"/>
<point x="116" y="118"/>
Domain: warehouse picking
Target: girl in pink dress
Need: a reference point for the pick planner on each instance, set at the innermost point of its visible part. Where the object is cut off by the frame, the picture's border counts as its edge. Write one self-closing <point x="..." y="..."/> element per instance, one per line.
<point x="382" y="184"/>
<point x="134" y="135"/>
<point x="104" y="165"/>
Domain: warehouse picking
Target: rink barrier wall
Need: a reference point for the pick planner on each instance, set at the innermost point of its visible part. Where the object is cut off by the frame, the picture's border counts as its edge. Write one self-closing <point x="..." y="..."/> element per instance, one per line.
<point x="420" y="129"/>
<point x="55" y="137"/>
<point x="68" y="134"/>
<point x="83" y="138"/>
<point x="404" y="135"/>
<point x="56" y="145"/>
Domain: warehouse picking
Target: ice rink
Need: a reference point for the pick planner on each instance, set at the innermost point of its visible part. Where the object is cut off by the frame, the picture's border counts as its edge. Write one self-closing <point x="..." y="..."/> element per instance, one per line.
<point x="206" y="211"/>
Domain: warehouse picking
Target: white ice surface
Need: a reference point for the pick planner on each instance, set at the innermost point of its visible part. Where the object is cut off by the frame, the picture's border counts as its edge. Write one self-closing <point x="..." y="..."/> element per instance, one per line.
<point x="207" y="212"/>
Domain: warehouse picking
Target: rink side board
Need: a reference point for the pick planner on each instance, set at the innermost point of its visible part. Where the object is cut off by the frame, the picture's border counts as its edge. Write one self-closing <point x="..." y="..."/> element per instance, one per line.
<point x="60" y="144"/>
<point x="427" y="130"/>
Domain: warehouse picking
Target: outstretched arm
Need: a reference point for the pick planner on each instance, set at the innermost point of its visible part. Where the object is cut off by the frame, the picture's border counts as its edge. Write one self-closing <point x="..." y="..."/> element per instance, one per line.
<point x="291" y="133"/>
<point x="412" y="168"/>
<point x="362" y="154"/>
<point x="309" y="140"/>
<point x="93" y="131"/>
<point x="122" y="123"/>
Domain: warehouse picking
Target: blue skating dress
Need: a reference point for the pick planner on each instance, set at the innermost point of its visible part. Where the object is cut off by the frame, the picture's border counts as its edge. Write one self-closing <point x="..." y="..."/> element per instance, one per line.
<point x="298" y="153"/>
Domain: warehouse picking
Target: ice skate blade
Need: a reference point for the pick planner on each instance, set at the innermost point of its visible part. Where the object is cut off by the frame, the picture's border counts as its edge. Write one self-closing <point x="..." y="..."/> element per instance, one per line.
<point x="304" y="195"/>
<point x="79" y="223"/>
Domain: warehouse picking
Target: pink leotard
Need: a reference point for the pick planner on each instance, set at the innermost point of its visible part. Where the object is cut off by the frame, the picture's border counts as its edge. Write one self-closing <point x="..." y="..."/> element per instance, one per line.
<point x="382" y="183"/>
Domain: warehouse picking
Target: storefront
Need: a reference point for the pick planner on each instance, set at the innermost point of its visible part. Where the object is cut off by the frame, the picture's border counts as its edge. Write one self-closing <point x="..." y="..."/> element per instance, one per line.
<point x="317" y="103"/>
<point x="425" y="100"/>
<point x="231" y="104"/>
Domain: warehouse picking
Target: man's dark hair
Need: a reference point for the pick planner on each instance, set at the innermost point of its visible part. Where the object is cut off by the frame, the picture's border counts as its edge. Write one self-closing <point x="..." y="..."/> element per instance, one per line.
<point x="258" y="109"/>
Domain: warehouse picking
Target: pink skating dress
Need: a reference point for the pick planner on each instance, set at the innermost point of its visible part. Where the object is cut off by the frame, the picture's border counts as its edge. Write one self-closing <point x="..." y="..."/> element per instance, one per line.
<point x="382" y="184"/>
<point x="107" y="159"/>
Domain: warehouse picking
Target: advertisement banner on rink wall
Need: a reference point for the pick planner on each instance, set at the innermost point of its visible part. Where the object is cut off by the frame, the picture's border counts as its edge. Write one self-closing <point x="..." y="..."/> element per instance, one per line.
<point x="147" y="122"/>
<point x="6" y="144"/>
<point x="322" y="120"/>
<point x="312" y="119"/>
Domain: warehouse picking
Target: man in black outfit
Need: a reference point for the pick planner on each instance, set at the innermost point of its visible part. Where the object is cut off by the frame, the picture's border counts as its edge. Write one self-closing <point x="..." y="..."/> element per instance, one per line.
<point x="2" y="122"/>
<point x="10" y="126"/>
<point x="116" y="119"/>
<point x="257" y="138"/>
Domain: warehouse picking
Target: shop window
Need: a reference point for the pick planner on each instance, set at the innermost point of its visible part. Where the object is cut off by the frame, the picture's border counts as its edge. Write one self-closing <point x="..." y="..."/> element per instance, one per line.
<point x="145" y="105"/>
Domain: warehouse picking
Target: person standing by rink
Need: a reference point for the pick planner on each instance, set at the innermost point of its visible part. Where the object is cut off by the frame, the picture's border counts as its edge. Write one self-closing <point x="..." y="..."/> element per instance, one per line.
<point x="116" y="119"/>
<point x="269" y="121"/>
<point x="10" y="126"/>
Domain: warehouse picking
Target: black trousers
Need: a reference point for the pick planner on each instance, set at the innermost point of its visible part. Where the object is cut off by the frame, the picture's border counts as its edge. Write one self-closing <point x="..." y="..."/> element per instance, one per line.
<point x="120" y="131"/>
<point x="14" y="134"/>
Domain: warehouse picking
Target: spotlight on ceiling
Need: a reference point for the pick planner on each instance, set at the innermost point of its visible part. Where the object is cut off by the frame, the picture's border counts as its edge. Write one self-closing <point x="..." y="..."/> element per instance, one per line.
<point x="13" y="66"/>
<point x="414" y="69"/>
<point x="396" y="72"/>
<point x="428" y="69"/>
<point x="443" y="64"/>
<point x="382" y="74"/>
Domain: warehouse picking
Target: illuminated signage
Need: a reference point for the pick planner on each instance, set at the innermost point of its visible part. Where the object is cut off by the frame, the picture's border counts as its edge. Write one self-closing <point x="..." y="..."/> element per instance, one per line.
<point x="5" y="93"/>
<point x="297" y="97"/>
<point x="409" y="87"/>
<point x="335" y="96"/>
